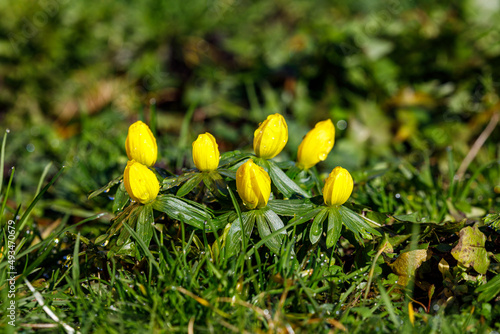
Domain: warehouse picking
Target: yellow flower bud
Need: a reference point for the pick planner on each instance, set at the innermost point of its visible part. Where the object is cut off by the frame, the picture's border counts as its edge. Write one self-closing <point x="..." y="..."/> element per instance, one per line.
<point x="338" y="187"/>
<point x="206" y="152"/>
<point x="141" y="144"/>
<point x="271" y="136"/>
<point x="253" y="185"/>
<point x="141" y="183"/>
<point x="316" y="144"/>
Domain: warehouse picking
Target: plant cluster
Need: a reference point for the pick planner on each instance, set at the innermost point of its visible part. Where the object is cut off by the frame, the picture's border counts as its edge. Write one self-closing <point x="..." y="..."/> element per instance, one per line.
<point x="274" y="196"/>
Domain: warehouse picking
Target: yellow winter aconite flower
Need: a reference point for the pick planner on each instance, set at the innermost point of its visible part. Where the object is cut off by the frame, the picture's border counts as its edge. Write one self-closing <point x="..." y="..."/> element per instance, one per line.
<point x="206" y="152"/>
<point x="338" y="187"/>
<point x="253" y="185"/>
<point x="141" y="144"/>
<point x="141" y="183"/>
<point x="271" y="136"/>
<point x="316" y="144"/>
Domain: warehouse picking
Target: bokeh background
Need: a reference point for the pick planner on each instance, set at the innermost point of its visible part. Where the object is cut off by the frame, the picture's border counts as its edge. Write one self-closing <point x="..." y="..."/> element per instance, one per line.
<point x="407" y="83"/>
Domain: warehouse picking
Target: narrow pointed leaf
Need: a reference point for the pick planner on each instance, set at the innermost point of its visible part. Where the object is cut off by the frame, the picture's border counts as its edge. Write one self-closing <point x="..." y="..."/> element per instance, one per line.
<point x="228" y="173"/>
<point x="316" y="229"/>
<point x="274" y="220"/>
<point x="356" y="224"/>
<point x="233" y="239"/>
<point x="489" y="290"/>
<point x="121" y="198"/>
<point x="334" y="227"/>
<point x="182" y="210"/>
<point x="293" y="222"/>
<point x="106" y="187"/>
<point x="290" y="207"/>
<point x="189" y="185"/>
<point x="273" y="243"/>
<point x="284" y="184"/>
<point x="144" y="226"/>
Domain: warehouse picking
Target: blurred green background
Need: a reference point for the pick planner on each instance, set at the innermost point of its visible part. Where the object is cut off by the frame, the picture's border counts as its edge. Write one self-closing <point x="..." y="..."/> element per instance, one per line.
<point x="403" y="81"/>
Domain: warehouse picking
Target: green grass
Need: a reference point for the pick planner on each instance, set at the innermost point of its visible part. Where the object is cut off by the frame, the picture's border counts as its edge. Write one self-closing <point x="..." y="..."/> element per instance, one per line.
<point x="179" y="284"/>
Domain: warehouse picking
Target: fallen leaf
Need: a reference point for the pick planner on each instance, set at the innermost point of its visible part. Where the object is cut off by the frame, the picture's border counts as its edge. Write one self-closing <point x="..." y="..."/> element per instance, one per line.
<point x="407" y="263"/>
<point x="444" y="268"/>
<point x="470" y="250"/>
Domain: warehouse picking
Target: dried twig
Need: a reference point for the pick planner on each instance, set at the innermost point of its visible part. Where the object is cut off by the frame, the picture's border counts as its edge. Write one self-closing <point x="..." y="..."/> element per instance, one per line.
<point x="47" y="310"/>
<point x="477" y="145"/>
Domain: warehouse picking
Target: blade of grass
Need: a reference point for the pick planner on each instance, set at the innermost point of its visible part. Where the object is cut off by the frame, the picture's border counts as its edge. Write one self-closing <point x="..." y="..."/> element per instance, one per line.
<point x="2" y="159"/>
<point x="238" y="211"/>
<point x="56" y="235"/>
<point x="451" y="172"/>
<point x="75" y="268"/>
<point x="26" y="214"/>
<point x="47" y="309"/>
<point x="388" y="304"/>
<point x="44" y="174"/>
<point x="152" y="116"/>
<point x="4" y="203"/>
<point x="293" y="222"/>
<point x="256" y="113"/>
<point x="183" y="135"/>
<point x="144" y="248"/>
<point x="372" y="270"/>
<point x="473" y="178"/>
<point x="413" y="246"/>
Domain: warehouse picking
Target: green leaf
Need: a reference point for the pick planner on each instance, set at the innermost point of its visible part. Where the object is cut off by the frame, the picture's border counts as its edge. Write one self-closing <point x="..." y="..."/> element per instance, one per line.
<point x="2" y="158"/>
<point x="489" y="290"/>
<point x="101" y="240"/>
<point x="106" y="187"/>
<point x="145" y="249"/>
<point x="120" y="217"/>
<point x="228" y="173"/>
<point x="317" y="226"/>
<point x="287" y="164"/>
<point x="274" y="220"/>
<point x="175" y="181"/>
<point x="356" y="224"/>
<point x="76" y="265"/>
<point x="268" y="222"/>
<point x="128" y="248"/>
<point x="334" y="227"/>
<point x="180" y="209"/>
<point x="470" y="249"/>
<point x="233" y="239"/>
<point x="7" y="191"/>
<point x="293" y="172"/>
<point x="293" y="222"/>
<point x="413" y="217"/>
<point x="232" y="157"/>
<point x="275" y="223"/>
<point x="123" y="237"/>
<point x="130" y="220"/>
<point x="237" y="165"/>
<point x="121" y="198"/>
<point x="240" y="217"/>
<point x="493" y="220"/>
<point x="284" y="184"/>
<point x="190" y="184"/>
<point x="290" y="207"/>
<point x="27" y="213"/>
<point x="144" y="225"/>
<point x="183" y="139"/>
<point x="215" y="183"/>
<point x="224" y="219"/>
